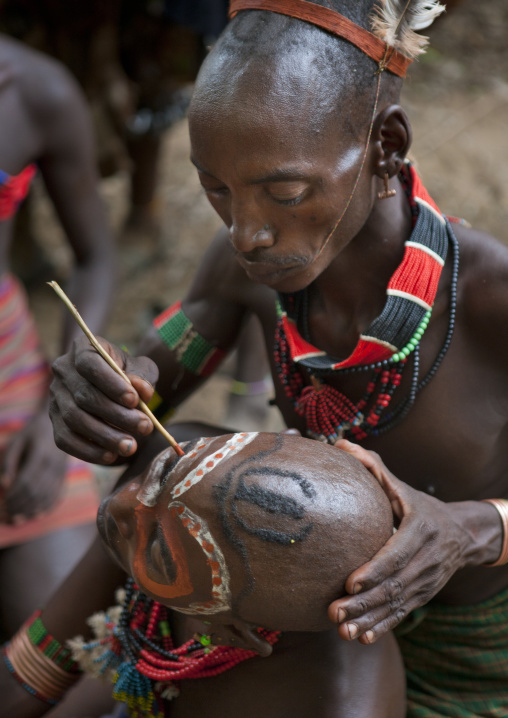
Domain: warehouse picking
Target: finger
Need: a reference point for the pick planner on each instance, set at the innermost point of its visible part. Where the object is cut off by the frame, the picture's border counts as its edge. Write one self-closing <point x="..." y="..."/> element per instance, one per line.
<point x="393" y="557"/>
<point x="80" y="447"/>
<point x="70" y="421"/>
<point x="142" y="371"/>
<point x="371" y="628"/>
<point x="368" y="608"/>
<point x="369" y="459"/>
<point x="85" y="366"/>
<point x="94" y="403"/>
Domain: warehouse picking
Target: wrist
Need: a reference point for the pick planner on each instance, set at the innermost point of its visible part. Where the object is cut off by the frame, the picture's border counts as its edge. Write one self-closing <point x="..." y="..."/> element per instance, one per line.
<point x="483" y="532"/>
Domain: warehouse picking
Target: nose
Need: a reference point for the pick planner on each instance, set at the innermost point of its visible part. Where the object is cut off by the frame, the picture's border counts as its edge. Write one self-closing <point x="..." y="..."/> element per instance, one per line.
<point x="249" y="232"/>
<point x="121" y="506"/>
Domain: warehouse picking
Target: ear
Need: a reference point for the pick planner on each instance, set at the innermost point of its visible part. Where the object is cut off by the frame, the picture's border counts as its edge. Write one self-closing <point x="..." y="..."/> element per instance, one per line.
<point x="241" y="634"/>
<point x="391" y="140"/>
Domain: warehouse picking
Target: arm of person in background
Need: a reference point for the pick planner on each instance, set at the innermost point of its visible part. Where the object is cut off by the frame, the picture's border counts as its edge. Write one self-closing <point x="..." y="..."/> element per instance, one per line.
<point x="94" y="411"/>
<point x="34" y="467"/>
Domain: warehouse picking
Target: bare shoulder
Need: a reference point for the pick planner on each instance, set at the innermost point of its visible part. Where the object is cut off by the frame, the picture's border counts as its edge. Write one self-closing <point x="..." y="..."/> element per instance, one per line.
<point x="45" y="85"/>
<point x="483" y="288"/>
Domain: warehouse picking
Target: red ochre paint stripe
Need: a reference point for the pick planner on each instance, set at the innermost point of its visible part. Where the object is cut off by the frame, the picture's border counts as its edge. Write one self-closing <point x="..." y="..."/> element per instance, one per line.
<point x="418" y="275"/>
<point x="167" y="314"/>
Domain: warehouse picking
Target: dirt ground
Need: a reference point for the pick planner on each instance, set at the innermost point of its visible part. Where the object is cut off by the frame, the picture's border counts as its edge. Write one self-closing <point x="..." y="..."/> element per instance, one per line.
<point x="457" y="99"/>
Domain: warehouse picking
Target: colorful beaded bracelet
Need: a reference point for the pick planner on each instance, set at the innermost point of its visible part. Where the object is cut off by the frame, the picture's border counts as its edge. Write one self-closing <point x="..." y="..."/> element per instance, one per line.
<point x="40" y="664"/>
<point x="193" y="352"/>
<point x="251" y="388"/>
<point x="502" y="508"/>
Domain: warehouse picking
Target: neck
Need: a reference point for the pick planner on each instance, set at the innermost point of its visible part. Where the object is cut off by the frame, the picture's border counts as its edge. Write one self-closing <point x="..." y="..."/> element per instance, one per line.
<point x="355" y="281"/>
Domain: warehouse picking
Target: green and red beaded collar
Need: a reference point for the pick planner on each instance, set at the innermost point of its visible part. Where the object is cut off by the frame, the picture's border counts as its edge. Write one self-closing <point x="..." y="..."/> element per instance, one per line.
<point x="410" y="295"/>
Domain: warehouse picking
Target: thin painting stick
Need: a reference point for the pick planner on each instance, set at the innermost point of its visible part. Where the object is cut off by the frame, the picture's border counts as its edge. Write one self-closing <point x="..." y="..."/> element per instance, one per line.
<point x="93" y="341"/>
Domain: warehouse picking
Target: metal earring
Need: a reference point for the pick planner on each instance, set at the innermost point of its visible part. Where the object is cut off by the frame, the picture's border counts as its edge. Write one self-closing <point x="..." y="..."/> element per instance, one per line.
<point x="387" y="192"/>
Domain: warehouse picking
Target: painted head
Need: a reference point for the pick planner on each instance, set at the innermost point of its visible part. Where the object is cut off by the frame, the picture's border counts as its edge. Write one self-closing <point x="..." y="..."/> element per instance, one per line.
<point x="248" y="530"/>
<point x="279" y="126"/>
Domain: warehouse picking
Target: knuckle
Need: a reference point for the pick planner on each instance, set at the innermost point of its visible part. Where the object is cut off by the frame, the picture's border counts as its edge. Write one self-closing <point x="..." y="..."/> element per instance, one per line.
<point x="393" y="589"/>
<point x="400" y="560"/>
<point x="362" y="606"/>
<point x="84" y="396"/>
<point x="395" y="603"/>
<point x="429" y="530"/>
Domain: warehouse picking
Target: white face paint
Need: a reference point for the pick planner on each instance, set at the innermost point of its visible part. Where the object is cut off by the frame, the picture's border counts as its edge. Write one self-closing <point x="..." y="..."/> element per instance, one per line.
<point x="210" y="462"/>
<point x="151" y="488"/>
<point x="221" y="592"/>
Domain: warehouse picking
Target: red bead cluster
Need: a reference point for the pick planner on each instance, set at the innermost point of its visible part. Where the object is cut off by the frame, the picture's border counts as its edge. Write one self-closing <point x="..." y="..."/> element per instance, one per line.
<point x="160" y="661"/>
<point x="329" y="413"/>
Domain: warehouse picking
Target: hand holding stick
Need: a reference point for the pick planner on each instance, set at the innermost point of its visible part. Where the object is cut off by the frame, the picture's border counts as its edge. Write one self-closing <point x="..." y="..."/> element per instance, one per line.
<point x="93" y="341"/>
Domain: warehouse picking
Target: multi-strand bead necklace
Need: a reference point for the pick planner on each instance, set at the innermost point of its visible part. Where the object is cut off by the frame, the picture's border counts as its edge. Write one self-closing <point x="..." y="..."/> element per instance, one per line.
<point x="383" y="348"/>
<point x="148" y="667"/>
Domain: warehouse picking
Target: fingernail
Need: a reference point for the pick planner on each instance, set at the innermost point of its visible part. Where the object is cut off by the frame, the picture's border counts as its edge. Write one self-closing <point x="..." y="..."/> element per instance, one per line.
<point x="369" y="636"/>
<point x="352" y="630"/>
<point x="108" y="457"/>
<point x="145" y="426"/>
<point x="341" y="615"/>
<point x="357" y="588"/>
<point x="125" y="447"/>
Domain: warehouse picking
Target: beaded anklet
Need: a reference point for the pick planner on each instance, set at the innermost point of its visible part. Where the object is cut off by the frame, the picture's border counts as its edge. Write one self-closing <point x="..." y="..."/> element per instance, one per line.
<point x="193" y="351"/>
<point x="501" y="506"/>
<point x="39" y="662"/>
<point x="251" y="388"/>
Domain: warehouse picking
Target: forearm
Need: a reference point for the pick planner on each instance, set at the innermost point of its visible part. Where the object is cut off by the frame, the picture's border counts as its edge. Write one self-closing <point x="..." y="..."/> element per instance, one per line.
<point x="89" y="588"/>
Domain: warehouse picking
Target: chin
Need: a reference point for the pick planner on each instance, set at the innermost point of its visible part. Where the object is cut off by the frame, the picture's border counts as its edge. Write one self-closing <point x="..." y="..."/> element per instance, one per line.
<point x="296" y="282"/>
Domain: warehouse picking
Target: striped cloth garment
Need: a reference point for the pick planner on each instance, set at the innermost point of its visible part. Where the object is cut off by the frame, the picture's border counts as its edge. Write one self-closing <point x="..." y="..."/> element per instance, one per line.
<point x="456" y="660"/>
<point x="24" y="379"/>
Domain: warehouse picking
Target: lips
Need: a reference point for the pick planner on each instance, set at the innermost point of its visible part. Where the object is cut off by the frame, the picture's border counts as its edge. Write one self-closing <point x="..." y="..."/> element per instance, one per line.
<point x="266" y="271"/>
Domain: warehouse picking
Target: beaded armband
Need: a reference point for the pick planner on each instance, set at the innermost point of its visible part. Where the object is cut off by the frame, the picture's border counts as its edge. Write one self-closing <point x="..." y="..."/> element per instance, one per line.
<point x="193" y="351"/>
<point x="39" y="662"/>
<point x="502" y="508"/>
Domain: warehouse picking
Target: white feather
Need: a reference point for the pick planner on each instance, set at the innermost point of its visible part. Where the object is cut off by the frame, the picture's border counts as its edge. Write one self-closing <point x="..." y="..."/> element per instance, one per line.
<point x="396" y="22"/>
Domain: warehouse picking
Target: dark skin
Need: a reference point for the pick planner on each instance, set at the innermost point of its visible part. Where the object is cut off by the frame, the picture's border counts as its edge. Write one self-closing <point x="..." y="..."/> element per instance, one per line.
<point x="45" y="120"/>
<point x="333" y="678"/>
<point x="445" y="461"/>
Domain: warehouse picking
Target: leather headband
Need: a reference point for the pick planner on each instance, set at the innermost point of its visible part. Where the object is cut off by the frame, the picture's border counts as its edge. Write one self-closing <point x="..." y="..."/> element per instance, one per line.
<point x="332" y="21"/>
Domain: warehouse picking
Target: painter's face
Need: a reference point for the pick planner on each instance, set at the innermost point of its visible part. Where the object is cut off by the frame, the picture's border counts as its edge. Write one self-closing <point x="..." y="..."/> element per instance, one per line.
<point x="277" y="178"/>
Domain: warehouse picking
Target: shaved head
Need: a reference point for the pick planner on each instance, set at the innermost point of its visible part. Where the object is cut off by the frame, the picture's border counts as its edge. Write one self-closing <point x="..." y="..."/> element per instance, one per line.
<point x="314" y="74"/>
<point x="245" y="523"/>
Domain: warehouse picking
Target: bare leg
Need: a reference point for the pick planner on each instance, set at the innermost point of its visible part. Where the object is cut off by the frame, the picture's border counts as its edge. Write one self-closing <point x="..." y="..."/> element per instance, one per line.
<point x="250" y="390"/>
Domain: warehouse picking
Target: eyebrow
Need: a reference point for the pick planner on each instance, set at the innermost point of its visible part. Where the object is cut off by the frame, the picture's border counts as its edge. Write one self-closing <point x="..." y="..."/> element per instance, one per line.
<point x="283" y="174"/>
